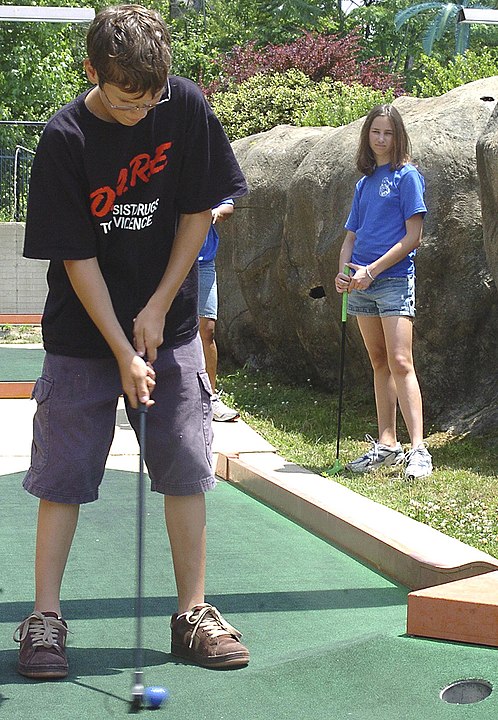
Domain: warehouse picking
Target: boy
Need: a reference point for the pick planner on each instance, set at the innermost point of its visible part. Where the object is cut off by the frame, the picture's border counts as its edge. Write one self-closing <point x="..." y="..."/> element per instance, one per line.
<point x="120" y="197"/>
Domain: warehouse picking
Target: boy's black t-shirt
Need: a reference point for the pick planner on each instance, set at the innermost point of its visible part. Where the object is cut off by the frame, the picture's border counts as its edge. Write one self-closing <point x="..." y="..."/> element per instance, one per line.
<point x="105" y="190"/>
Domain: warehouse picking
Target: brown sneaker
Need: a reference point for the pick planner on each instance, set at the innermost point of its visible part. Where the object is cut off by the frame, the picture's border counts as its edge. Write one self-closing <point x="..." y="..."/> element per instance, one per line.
<point x="42" y="638"/>
<point x="203" y="636"/>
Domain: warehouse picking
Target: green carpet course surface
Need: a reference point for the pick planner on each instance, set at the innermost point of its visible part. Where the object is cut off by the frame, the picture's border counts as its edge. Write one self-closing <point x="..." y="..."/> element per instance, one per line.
<point x="20" y="364"/>
<point x="326" y="632"/>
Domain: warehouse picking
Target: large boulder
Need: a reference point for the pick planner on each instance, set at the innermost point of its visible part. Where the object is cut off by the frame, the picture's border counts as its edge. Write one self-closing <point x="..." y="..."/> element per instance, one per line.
<point x="285" y="236"/>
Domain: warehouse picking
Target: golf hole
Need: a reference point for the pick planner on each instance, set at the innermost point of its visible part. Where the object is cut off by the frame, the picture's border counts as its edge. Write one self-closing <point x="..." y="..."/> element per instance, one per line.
<point x="466" y="692"/>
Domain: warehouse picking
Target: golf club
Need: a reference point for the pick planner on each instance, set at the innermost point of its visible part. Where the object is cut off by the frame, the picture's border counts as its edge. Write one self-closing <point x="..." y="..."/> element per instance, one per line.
<point x="138" y="685"/>
<point x="337" y="467"/>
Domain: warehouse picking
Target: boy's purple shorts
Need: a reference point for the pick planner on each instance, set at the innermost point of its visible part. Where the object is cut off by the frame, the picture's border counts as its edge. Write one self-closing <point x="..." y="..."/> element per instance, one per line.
<point x="74" y="425"/>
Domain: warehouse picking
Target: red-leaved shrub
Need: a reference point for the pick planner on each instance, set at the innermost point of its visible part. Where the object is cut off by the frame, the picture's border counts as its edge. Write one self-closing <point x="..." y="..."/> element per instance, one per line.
<point x="316" y="55"/>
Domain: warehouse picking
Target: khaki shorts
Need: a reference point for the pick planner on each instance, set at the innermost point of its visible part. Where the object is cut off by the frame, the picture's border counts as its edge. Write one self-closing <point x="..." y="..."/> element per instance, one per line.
<point x="75" y="419"/>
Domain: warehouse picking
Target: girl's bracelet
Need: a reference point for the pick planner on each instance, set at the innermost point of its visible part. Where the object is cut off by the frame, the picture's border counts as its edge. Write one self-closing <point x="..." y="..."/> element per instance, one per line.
<point x="369" y="273"/>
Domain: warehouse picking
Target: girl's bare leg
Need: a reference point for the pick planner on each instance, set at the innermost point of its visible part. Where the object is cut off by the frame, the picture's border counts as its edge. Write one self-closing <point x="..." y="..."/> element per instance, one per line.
<point x="384" y="385"/>
<point x="398" y="332"/>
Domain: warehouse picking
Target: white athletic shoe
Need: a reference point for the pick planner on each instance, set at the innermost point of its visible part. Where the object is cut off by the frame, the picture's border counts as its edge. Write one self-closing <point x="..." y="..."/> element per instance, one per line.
<point x="418" y="463"/>
<point x="378" y="456"/>
<point x="221" y="412"/>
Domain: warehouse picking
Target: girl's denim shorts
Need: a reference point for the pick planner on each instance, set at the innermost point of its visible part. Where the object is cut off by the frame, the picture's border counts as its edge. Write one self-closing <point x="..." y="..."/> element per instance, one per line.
<point x="208" y="290"/>
<point x="385" y="297"/>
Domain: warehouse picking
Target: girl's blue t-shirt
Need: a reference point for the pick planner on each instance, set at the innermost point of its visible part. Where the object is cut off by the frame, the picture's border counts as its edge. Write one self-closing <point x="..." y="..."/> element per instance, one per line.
<point x="382" y="203"/>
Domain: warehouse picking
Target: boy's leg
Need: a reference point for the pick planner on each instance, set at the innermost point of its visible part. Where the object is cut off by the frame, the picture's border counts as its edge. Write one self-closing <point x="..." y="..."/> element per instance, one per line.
<point x="72" y="433"/>
<point x="42" y="635"/>
<point x="186" y="524"/>
<point x="179" y="461"/>
<point x="55" y="532"/>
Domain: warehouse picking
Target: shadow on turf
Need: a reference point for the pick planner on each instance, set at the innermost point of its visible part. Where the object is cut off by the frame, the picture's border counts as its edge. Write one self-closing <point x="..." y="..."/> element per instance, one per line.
<point x="161" y="607"/>
<point x="85" y="662"/>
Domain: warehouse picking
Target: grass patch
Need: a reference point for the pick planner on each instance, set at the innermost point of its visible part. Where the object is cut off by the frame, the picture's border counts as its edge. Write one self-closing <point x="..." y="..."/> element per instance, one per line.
<point x="20" y="334"/>
<point x="460" y="498"/>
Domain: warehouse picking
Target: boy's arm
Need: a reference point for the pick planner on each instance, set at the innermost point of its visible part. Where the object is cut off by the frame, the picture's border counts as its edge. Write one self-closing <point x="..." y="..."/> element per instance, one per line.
<point x="89" y="285"/>
<point x="149" y="323"/>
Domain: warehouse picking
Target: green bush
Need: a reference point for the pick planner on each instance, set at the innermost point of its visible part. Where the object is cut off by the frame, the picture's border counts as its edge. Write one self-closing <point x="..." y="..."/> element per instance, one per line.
<point x="263" y="101"/>
<point x="336" y="104"/>
<point x="438" y="79"/>
<point x="291" y="98"/>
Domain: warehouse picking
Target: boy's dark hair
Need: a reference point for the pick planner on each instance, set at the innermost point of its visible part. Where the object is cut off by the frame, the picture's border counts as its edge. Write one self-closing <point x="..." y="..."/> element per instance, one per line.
<point x="129" y="46"/>
<point x="365" y="160"/>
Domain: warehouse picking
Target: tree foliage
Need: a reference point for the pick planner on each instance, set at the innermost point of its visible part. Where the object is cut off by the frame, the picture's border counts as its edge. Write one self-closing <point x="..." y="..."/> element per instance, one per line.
<point x="40" y="70"/>
<point x="444" y="18"/>
<point x="440" y="78"/>
<point x="214" y="44"/>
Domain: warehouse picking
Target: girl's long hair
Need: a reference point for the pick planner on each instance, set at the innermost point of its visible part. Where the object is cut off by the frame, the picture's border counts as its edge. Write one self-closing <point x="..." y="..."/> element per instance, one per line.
<point x="401" y="149"/>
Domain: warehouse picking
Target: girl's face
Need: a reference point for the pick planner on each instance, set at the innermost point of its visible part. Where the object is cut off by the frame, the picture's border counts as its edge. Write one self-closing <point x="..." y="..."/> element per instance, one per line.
<point x="381" y="139"/>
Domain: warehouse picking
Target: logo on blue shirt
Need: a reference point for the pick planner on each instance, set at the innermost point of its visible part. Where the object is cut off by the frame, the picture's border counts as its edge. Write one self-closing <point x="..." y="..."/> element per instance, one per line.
<point x="385" y="187"/>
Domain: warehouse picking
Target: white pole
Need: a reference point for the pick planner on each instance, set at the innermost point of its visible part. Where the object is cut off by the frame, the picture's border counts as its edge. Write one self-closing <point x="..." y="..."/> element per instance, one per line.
<point x="31" y="13"/>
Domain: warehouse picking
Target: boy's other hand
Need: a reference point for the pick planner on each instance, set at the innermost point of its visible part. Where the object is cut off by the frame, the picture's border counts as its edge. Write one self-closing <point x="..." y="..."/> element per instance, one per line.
<point x="148" y="329"/>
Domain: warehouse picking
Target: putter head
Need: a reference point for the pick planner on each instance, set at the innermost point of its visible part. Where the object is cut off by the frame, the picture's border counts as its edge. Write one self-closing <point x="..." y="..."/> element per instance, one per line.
<point x="336" y="468"/>
<point x="136" y="704"/>
<point x="137" y="694"/>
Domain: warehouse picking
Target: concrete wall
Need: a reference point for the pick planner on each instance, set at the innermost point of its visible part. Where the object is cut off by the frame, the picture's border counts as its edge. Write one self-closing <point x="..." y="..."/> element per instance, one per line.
<point x="23" y="286"/>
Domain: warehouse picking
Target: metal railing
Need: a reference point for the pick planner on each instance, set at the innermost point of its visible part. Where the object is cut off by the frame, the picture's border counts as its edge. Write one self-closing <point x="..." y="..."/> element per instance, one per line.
<point x="16" y="160"/>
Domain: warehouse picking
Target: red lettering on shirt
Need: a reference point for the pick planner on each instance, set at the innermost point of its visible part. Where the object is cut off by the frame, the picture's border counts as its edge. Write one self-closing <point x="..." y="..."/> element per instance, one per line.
<point x="160" y="159"/>
<point x="102" y="201"/>
<point x="122" y="187"/>
<point x="140" y="168"/>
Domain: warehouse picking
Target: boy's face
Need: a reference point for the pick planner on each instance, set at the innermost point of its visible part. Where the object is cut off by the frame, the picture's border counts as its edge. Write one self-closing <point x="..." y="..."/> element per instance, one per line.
<point x="112" y="103"/>
<point x="124" y="107"/>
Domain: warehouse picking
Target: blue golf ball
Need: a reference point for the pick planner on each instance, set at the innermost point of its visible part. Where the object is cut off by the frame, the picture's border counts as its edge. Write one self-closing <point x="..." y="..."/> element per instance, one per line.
<point x="155" y="696"/>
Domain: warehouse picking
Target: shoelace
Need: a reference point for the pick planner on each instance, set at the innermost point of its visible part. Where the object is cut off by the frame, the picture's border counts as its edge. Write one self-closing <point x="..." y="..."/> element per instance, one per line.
<point x="44" y="630"/>
<point x="208" y="619"/>
<point x="374" y="450"/>
<point x="415" y="451"/>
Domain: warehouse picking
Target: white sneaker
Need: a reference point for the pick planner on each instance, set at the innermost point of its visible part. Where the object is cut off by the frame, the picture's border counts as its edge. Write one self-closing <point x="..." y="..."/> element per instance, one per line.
<point x="221" y="412"/>
<point x="378" y="456"/>
<point x="418" y="463"/>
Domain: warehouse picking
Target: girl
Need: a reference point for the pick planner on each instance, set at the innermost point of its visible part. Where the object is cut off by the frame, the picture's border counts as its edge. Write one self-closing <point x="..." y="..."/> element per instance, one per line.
<point x="384" y="229"/>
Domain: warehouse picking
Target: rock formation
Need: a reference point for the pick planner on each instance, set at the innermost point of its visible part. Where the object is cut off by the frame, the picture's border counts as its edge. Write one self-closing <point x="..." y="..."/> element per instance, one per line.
<point x="285" y="236"/>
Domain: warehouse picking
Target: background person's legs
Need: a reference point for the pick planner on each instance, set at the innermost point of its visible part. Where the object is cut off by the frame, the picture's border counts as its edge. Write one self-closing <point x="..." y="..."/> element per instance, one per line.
<point x="206" y="331"/>
<point x="208" y="313"/>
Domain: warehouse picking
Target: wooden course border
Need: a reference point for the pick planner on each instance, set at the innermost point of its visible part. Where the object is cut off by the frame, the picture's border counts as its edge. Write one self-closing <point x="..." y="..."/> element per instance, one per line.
<point x="8" y="389"/>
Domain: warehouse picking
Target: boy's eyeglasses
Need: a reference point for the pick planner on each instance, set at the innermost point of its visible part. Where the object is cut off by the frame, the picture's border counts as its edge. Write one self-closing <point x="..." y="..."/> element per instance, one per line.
<point x="144" y="106"/>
